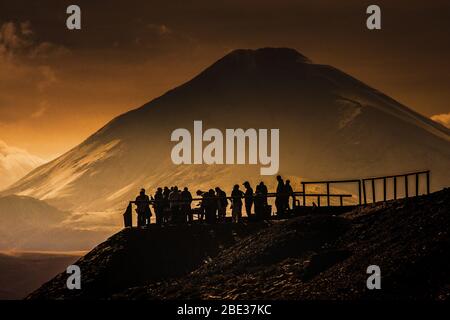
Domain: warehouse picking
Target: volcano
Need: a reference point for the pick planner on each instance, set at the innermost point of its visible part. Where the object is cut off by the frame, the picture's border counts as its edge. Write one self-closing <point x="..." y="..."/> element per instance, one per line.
<point x="331" y="126"/>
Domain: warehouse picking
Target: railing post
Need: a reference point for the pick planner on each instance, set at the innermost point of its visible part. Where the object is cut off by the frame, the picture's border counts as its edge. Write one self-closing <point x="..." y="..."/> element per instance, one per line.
<point x="395" y="187"/>
<point x="364" y="191"/>
<point x="406" y="186"/>
<point x="384" y="189"/>
<point x="328" y="194"/>
<point x="417" y="184"/>
<point x="428" y="182"/>
<point x="373" y="191"/>
<point x="359" y="192"/>
<point x="341" y="201"/>
<point x="304" y="194"/>
<point x="318" y="201"/>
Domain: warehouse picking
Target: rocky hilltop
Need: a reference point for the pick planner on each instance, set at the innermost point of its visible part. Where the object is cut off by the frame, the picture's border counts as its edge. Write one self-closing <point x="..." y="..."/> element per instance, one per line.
<point x="307" y="257"/>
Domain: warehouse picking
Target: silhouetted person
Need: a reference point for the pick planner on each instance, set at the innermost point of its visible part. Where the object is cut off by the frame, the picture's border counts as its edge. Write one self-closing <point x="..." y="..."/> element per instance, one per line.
<point x="175" y="202"/>
<point x="289" y="193"/>
<point x="128" y="216"/>
<point x="211" y="206"/>
<point x="248" y="198"/>
<point x="143" y="209"/>
<point x="222" y="203"/>
<point x="264" y="191"/>
<point x="236" y="203"/>
<point x="201" y="205"/>
<point x="166" y="204"/>
<point x="259" y="203"/>
<point x="314" y="207"/>
<point x="280" y="197"/>
<point x="186" y="198"/>
<point x="158" y="206"/>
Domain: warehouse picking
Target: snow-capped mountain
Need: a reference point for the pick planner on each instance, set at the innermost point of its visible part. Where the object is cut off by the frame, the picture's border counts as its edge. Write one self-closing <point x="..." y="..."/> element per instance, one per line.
<point x="331" y="126"/>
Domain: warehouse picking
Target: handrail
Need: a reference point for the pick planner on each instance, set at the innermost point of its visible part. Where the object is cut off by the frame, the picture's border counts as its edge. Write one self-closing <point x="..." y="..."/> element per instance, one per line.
<point x="269" y="195"/>
<point x="417" y="174"/>
<point x="361" y="189"/>
<point x="328" y="183"/>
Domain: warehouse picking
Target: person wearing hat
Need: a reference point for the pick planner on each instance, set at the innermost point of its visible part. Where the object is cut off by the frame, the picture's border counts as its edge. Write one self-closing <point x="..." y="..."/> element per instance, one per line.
<point x="248" y="198"/>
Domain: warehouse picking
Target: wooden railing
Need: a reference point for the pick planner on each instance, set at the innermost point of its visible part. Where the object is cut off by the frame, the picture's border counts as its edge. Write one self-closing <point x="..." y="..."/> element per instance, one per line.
<point x="394" y="179"/>
<point x="361" y="186"/>
<point x="273" y="195"/>
<point x="328" y="183"/>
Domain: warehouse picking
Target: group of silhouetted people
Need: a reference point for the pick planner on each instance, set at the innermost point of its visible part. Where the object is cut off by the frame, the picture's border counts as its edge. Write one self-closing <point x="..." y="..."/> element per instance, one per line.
<point x="169" y="204"/>
<point x="174" y="206"/>
<point x="284" y="192"/>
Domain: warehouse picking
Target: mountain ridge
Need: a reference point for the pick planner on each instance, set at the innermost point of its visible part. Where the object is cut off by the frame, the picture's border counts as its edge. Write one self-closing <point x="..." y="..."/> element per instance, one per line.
<point x="351" y="119"/>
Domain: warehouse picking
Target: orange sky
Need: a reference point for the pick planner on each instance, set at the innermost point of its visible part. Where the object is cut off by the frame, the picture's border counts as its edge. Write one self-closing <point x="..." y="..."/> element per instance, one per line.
<point x="59" y="86"/>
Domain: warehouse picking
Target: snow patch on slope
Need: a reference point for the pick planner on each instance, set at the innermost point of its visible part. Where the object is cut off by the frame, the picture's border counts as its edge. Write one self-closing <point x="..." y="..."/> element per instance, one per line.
<point x="67" y="171"/>
<point x="15" y="163"/>
<point x="349" y="111"/>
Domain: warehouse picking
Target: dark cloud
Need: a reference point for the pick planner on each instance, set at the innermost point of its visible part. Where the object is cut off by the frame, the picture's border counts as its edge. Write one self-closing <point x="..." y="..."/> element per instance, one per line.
<point x="26" y="73"/>
<point x="129" y="52"/>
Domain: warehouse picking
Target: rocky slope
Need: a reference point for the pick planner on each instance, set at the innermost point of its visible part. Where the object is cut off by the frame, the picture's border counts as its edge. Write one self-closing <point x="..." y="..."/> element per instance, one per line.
<point x="309" y="257"/>
<point x="134" y="257"/>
